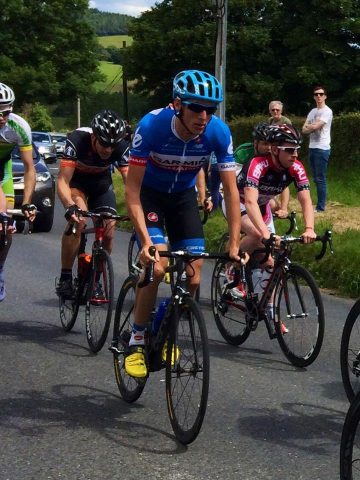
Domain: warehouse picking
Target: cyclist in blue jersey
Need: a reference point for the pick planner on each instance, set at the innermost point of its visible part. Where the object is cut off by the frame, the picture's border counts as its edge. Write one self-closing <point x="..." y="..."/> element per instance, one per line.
<point x="169" y="148"/>
<point x="14" y="131"/>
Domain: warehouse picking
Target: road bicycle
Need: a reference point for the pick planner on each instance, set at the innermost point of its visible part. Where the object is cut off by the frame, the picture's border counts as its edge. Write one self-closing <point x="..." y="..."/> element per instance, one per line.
<point x="296" y="299"/>
<point x="350" y="442"/>
<point x="93" y="282"/>
<point x="180" y="347"/>
<point x="350" y="352"/>
<point x="291" y="218"/>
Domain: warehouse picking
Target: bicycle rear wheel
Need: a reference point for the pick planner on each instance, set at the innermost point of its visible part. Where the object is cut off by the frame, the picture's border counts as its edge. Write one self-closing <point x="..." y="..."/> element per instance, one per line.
<point x="129" y="387"/>
<point x="99" y="301"/>
<point x="230" y="314"/>
<point x="299" y="306"/>
<point x="187" y="371"/>
<point x="350" y="443"/>
<point x="350" y="352"/>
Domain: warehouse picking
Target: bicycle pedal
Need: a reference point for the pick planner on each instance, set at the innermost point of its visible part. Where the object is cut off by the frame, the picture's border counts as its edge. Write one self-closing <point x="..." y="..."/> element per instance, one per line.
<point x="115" y="350"/>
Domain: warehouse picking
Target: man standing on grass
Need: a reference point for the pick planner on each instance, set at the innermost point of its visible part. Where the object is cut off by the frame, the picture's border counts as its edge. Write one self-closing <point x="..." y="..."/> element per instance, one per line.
<point x="318" y="125"/>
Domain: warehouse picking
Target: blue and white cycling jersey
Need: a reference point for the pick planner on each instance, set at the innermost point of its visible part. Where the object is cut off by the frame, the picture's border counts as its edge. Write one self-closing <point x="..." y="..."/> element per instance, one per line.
<point x="172" y="164"/>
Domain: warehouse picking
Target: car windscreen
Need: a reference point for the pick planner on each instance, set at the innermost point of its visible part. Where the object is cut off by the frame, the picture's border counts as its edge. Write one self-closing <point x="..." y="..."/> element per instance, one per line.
<point x="40" y="137"/>
<point x="59" y="138"/>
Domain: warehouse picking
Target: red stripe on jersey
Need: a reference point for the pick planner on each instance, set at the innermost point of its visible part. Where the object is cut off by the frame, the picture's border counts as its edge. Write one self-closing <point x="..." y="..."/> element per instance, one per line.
<point x="139" y="161"/>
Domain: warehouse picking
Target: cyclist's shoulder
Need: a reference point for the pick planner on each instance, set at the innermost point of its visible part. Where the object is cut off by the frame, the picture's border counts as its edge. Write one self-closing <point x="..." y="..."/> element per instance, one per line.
<point x="157" y="118"/>
<point x="217" y="128"/>
<point x="20" y="127"/>
<point x="78" y="142"/>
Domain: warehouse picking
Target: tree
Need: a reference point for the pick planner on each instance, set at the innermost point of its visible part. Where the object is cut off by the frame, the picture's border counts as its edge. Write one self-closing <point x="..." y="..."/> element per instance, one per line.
<point x="37" y="116"/>
<point x="47" y="50"/>
<point x="276" y="49"/>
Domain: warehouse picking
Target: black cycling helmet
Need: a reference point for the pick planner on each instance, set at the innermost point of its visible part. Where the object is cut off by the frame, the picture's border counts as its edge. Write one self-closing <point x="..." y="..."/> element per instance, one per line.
<point x="260" y="131"/>
<point x="108" y="127"/>
<point x="284" y="133"/>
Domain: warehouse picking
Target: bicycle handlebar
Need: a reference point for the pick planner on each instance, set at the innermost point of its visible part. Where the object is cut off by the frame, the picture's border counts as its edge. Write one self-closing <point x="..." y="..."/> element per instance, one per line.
<point x="291" y="218"/>
<point x="285" y="240"/>
<point x="187" y="256"/>
<point x="71" y="229"/>
<point x="28" y="226"/>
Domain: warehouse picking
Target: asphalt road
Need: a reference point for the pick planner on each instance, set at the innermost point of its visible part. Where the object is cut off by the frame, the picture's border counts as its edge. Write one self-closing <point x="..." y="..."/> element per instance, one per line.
<point x="62" y="416"/>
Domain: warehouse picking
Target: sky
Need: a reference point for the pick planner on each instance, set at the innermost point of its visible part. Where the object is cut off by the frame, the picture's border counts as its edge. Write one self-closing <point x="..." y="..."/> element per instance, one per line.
<point x="127" y="7"/>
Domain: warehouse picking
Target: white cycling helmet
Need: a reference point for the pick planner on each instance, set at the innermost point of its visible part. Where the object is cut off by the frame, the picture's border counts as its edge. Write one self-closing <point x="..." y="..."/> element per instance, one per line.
<point x="7" y="96"/>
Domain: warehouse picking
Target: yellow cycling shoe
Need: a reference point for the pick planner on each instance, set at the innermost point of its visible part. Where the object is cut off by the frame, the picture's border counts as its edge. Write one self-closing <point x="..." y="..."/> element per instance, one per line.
<point x="135" y="365"/>
<point x="174" y="356"/>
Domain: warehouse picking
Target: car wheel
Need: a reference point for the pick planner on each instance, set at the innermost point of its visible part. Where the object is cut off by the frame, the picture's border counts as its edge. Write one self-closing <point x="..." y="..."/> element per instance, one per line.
<point x="44" y="223"/>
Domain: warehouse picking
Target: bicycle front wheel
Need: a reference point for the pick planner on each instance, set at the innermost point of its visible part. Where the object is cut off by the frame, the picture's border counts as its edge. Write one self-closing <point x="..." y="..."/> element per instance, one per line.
<point x="300" y="308"/>
<point x="99" y="301"/>
<point x="187" y="371"/>
<point x="350" y="443"/>
<point x="133" y="253"/>
<point x="230" y="314"/>
<point x="350" y="352"/>
<point x="129" y="387"/>
<point x="69" y="308"/>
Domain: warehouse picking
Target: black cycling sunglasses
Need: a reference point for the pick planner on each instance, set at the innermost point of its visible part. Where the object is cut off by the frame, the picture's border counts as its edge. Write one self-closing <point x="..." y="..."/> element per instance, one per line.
<point x="106" y="145"/>
<point x="197" y="108"/>
<point x="5" y="113"/>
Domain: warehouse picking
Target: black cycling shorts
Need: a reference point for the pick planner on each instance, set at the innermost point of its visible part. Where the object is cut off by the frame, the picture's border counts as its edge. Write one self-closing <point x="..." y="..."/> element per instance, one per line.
<point x="100" y="199"/>
<point x="177" y="212"/>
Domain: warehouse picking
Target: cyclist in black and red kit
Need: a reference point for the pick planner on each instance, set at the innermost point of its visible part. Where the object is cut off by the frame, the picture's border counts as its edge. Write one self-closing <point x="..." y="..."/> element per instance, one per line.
<point x="261" y="179"/>
<point x="85" y="182"/>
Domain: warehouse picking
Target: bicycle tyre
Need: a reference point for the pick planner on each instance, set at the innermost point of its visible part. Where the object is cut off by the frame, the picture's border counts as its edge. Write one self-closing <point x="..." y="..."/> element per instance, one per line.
<point x="130" y="388"/>
<point x="98" y="312"/>
<point x="299" y="304"/>
<point x="350" y="350"/>
<point x="69" y="308"/>
<point x="230" y="317"/>
<point x="349" y="457"/>
<point x="187" y="375"/>
<point x="133" y="253"/>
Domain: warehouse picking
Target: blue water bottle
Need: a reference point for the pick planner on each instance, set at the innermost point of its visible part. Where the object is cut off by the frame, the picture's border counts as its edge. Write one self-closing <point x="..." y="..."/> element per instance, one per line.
<point x="160" y="312"/>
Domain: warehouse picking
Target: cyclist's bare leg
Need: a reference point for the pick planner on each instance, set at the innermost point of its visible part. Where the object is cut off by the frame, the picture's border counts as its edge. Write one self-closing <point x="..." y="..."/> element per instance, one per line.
<point x="193" y="273"/>
<point x="109" y="235"/>
<point x="145" y="297"/>
<point x="70" y="243"/>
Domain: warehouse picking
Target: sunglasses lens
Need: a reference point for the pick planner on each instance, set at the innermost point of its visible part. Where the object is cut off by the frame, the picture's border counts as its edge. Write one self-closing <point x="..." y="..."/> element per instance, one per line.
<point x="195" y="107"/>
<point x="5" y="113"/>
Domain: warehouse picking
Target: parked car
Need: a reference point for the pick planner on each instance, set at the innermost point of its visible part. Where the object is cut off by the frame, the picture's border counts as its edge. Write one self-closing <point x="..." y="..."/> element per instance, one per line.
<point x="45" y="145"/>
<point x="59" y="139"/>
<point x="44" y="193"/>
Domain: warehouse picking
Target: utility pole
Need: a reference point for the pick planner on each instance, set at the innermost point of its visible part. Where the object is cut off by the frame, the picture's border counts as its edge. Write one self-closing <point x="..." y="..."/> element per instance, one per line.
<point x="78" y="112"/>
<point x="125" y="91"/>
<point x="220" y="53"/>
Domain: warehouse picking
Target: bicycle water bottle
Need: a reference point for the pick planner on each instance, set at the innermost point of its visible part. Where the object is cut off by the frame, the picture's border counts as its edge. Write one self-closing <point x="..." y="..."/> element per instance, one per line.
<point x="160" y="312"/>
<point x="84" y="263"/>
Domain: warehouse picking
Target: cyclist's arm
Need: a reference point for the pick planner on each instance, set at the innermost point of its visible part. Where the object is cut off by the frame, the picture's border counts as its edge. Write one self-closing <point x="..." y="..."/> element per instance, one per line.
<point x="133" y="203"/>
<point x="3" y="203"/>
<point x="308" y="214"/>
<point x="201" y="186"/>
<point x="63" y="185"/>
<point x="282" y="211"/>
<point x="29" y="174"/>
<point x="232" y="203"/>
<point x="253" y="210"/>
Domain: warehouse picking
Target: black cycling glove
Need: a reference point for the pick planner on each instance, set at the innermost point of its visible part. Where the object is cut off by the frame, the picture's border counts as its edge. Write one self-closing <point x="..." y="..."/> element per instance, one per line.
<point x="70" y="210"/>
<point x="28" y="207"/>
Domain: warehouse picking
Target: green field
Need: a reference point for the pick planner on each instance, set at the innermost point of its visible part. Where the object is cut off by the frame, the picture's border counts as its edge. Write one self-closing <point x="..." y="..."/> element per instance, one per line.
<point x="115" y="40"/>
<point x="113" y="74"/>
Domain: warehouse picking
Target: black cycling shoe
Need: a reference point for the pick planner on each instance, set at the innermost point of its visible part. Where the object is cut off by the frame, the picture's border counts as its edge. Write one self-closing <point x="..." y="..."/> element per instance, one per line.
<point x="65" y="290"/>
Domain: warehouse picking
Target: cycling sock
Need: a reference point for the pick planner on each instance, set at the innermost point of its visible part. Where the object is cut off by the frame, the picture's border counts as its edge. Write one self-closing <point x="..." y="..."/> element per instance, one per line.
<point x="137" y="335"/>
<point x="66" y="274"/>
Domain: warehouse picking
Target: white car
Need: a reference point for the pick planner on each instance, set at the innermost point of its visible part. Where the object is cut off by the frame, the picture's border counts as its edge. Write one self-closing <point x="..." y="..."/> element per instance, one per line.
<point x="45" y="146"/>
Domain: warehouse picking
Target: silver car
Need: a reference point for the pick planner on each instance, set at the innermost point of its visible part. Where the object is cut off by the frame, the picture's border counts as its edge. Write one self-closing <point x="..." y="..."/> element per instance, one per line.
<point x="59" y="139"/>
<point x="45" y="146"/>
